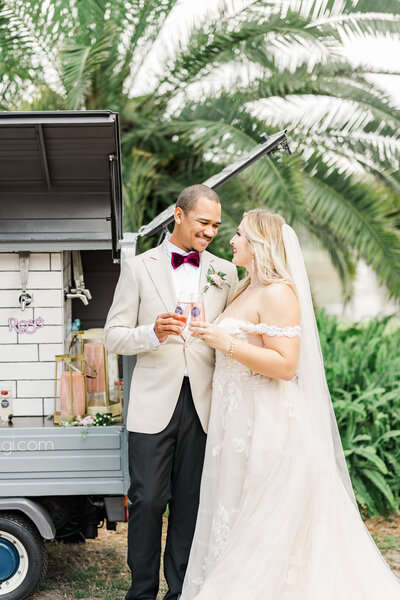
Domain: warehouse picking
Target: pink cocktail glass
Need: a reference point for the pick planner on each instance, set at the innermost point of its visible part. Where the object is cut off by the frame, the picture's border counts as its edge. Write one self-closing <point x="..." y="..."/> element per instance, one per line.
<point x="182" y="308"/>
<point x="197" y="312"/>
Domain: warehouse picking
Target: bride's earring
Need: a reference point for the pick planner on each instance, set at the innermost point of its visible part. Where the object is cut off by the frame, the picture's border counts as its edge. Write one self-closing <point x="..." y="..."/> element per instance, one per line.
<point x="253" y="264"/>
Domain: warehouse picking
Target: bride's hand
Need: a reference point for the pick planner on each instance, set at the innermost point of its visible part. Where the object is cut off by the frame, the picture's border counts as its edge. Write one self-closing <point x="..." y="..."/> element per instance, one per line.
<point x="213" y="336"/>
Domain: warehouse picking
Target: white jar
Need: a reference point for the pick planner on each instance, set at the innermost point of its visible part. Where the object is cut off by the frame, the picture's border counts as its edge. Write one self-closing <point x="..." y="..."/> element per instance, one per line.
<point x="6" y="409"/>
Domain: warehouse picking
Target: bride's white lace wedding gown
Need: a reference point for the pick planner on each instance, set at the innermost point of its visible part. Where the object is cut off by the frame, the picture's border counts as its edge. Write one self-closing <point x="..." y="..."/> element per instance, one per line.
<point x="275" y="521"/>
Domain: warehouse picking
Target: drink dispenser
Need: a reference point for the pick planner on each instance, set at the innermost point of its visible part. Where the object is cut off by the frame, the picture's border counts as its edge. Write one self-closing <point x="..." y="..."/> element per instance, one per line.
<point x="104" y="387"/>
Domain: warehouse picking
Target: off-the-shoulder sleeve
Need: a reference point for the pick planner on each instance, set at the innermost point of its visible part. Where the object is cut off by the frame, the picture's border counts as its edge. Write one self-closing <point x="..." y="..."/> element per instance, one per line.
<point x="272" y="330"/>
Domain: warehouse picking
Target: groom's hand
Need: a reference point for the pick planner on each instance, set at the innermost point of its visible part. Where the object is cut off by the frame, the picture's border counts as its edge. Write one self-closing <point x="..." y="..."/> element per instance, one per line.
<point x="166" y="324"/>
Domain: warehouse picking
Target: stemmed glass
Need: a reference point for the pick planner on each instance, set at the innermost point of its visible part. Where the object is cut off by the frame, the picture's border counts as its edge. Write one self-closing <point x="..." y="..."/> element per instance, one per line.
<point x="182" y="308"/>
<point x="197" y="312"/>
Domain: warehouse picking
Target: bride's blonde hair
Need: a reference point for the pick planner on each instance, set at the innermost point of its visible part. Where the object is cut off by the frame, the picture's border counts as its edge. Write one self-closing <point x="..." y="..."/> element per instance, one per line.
<point x="263" y="231"/>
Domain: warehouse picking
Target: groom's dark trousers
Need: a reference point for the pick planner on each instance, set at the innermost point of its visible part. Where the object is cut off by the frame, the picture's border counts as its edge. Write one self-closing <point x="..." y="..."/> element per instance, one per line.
<point x="165" y="468"/>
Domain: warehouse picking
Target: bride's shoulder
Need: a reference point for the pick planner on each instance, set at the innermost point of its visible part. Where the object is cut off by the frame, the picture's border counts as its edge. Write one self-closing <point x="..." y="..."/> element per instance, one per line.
<point x="279" y="292"/>
<point x="278" y="300"/>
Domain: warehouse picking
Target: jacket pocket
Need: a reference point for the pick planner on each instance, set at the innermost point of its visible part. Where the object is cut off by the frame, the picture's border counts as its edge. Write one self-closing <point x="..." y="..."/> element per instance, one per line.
<point x="147" y="361"/>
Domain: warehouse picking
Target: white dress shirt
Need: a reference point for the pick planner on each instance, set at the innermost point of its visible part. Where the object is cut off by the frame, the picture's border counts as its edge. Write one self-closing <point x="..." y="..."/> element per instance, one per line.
<point x="186" y="280"/>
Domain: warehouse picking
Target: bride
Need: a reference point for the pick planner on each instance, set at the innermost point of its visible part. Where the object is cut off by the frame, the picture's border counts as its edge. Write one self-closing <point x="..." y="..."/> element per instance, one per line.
<point x="277" y="517"/>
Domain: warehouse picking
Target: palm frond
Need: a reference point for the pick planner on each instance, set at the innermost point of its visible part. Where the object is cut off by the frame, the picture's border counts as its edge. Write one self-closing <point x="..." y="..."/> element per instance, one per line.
<point x="142" y="37"/>
<point x="362" y="24"/>
<point x="339" y="83"/>
<point x="79" y="64"/>
<point x="223" y="43"/>
<point x="17" y="45"/>
<point x="323" y="8"/>
<point x="368" y="6"/>
<point x="358" y="216"/>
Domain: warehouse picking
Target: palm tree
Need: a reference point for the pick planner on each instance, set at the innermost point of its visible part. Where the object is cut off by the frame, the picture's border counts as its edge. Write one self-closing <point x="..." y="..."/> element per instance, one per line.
<point x="249" y="70"/>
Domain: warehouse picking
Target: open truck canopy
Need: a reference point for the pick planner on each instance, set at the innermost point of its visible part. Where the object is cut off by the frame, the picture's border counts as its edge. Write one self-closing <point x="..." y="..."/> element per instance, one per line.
<point x="60" y="181"/>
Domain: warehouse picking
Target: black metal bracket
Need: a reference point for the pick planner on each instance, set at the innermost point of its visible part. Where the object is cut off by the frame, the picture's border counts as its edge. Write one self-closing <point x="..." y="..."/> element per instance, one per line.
<point x="43" y="154"/>
<point x="112" y="159"/>
<point x="267" y="146"/>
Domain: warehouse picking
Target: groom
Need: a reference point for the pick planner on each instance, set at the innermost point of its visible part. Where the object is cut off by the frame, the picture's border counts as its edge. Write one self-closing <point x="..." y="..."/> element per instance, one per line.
<point x="171" y="387"/>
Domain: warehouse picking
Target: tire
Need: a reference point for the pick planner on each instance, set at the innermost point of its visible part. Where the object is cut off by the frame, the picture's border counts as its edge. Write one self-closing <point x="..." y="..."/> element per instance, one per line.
<point x="23" y="557"/>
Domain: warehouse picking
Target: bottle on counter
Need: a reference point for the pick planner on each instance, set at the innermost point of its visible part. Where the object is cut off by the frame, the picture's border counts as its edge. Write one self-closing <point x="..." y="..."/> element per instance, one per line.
<point x="6" y="407"/>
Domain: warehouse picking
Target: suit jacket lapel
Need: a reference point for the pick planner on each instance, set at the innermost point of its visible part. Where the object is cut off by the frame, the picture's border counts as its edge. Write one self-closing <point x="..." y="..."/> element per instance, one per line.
<point x="159" y="270"/>
<point x="207" y="260"/>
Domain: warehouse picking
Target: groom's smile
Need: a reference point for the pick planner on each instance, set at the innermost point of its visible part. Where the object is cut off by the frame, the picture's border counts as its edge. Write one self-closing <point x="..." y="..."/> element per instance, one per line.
<point x="196" y="229"/>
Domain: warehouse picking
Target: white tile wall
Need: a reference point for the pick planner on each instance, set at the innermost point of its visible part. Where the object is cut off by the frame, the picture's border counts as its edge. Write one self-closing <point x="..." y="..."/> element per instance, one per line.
<point x="48" y="351"/>
<point x="27" y="360"/>
<point x="7" y="336"/>
<point x="51" y="316"/>
<point x="16" y="313"/>
<point x="31" y="407"/>
<point x="26" y="370"/>
<point x="18" y="352"/>
<point x="9" y="298"/>
<point x="35" y="389"/>
<point x="48" y="406"/>
<point x="47" y="298"/>
<point x="36" y="279"/>
<point x="55" y="261"/>
<point x="47" y="334"/>
<point x="38" y="261"/>
<point x="41" y="298"/>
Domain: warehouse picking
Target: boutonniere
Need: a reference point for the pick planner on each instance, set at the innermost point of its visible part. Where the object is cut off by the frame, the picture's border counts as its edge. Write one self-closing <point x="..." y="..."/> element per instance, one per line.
<point x="216" y="278"/>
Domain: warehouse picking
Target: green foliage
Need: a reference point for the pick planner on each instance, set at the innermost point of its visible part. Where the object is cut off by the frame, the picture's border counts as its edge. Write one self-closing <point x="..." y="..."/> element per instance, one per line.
<point x="207" y="96"/>
<point x="362" y="365"/>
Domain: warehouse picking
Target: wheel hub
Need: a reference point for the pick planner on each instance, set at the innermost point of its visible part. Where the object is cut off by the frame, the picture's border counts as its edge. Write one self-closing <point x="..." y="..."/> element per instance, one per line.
<point x="14" y="563"/>
<point x="9" y="559"/>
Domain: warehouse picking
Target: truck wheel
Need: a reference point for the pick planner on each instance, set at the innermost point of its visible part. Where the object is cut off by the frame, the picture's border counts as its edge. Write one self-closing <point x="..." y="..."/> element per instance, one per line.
<point x="23" y="558"/>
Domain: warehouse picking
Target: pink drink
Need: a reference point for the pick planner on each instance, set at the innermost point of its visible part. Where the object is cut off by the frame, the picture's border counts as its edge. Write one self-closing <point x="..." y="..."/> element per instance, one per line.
<point x="182" y="311"/>
<point x="78" y="394"/>
<point x="94" y="357"/>
<point x="197" y="312"/>
<point x="181" y="318"/>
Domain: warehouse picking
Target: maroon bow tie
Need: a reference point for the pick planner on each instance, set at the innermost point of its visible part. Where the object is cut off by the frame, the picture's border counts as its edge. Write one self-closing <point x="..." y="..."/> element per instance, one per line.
<point x="178" y="259"/>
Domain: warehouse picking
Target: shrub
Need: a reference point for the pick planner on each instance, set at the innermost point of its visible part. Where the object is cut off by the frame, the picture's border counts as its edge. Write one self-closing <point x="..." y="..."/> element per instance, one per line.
<point x="362" y="364"/>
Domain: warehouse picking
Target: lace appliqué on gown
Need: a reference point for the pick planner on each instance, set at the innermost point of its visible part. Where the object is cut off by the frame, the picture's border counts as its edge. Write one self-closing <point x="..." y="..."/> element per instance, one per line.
<point x="220" y="529"/>
<point x="275" y="520"/>
<point x="230" y="437"/>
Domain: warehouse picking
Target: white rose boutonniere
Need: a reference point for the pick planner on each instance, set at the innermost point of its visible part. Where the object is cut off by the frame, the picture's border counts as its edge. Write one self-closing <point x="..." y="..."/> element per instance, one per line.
<point x="216" y="278"/>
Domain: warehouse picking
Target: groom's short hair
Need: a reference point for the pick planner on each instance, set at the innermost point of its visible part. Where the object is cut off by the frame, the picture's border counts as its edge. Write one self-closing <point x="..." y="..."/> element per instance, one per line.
<point x="188" y="197"/>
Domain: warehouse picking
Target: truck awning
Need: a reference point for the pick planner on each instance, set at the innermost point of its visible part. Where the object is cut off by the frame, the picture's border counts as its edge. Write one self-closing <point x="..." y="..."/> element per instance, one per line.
<point x="60" y="181"/>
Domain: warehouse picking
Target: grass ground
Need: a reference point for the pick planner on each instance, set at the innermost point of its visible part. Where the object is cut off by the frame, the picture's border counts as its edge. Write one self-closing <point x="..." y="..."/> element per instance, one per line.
<point x="97" y="570"/>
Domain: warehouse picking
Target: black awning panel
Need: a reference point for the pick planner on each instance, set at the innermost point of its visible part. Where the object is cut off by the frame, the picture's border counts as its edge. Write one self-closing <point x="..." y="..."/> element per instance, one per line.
<point x="60" y="174"/>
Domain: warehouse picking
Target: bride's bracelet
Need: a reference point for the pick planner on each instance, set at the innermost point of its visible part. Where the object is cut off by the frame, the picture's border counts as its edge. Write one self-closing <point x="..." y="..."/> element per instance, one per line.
<point x="230" y="352"/>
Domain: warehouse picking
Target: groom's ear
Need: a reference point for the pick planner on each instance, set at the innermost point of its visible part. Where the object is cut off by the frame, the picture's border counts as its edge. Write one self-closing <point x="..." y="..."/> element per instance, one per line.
<point x="178" y="214"/>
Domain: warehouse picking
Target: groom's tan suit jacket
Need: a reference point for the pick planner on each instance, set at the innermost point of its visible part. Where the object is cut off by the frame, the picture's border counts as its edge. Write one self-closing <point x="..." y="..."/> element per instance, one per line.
<point x="144" y="290"/>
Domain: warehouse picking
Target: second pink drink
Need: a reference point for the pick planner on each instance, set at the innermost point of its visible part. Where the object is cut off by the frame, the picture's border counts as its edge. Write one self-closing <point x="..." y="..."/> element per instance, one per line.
<point x="197" y="312"/>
